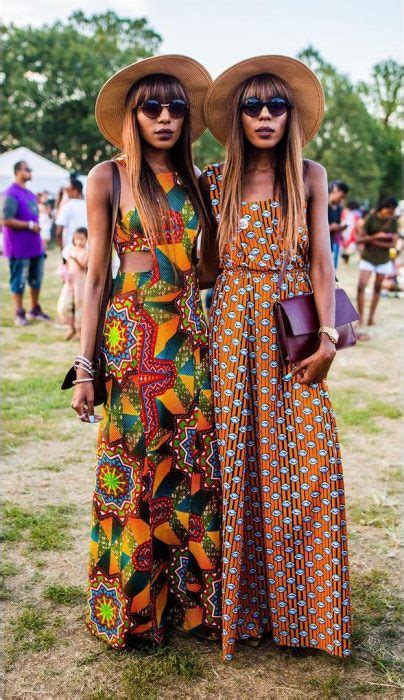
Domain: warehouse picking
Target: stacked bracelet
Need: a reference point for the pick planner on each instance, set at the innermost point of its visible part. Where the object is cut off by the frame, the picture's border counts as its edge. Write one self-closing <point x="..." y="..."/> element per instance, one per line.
<point x="82" y="362"/>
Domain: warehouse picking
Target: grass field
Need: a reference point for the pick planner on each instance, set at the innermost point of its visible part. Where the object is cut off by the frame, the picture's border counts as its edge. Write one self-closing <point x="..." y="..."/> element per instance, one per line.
<point x="48" y="461"/>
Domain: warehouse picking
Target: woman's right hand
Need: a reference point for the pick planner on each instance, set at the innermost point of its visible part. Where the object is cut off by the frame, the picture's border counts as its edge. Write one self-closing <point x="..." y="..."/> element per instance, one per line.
<point x="83" y="402"/>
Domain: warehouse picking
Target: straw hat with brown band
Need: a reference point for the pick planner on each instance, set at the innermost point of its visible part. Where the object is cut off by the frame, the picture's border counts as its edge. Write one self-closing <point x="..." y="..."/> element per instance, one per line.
<point x="110" y="105"/>
<point x="307" y="91"/>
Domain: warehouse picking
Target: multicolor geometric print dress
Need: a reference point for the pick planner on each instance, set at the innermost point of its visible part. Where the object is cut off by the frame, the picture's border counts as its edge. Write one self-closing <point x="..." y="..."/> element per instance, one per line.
<point x="155" y="540"/>
<point x="285" y="566"/>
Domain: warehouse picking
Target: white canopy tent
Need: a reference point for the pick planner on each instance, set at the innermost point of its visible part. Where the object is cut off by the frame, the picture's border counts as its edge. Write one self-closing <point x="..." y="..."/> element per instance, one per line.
<point x="45" y="174"/>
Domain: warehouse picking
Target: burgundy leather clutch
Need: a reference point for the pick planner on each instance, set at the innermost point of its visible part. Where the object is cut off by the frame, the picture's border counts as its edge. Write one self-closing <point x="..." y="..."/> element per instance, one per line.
<point x="297" y="324"/>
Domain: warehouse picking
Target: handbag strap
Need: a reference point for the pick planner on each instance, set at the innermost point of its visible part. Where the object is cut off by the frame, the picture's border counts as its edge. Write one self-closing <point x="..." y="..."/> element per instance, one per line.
<point x="106" y="291"/>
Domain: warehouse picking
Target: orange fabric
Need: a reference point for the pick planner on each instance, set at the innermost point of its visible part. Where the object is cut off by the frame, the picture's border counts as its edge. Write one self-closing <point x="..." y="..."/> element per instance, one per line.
<point x="285" y="566"/>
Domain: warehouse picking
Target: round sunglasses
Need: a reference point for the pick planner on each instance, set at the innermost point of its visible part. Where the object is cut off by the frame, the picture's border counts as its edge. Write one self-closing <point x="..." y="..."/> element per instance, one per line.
<point x="177" y="108"/>
<point x="276" y="106"/>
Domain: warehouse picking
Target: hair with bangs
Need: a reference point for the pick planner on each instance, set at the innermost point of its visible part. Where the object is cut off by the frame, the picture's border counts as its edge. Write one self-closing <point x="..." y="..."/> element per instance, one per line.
<point x="288" y="184"/>
<point x="149" y="197"/>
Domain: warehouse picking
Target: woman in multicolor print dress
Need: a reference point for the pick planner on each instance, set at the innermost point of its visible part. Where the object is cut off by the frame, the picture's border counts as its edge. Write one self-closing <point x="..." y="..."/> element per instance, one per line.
<point x="285" y="567"/>
<point x="155" y="538"/>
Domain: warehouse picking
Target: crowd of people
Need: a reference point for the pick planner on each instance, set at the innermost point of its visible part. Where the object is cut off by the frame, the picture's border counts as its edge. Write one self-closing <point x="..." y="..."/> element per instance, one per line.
<point x="372" y="236"/>
<point x="31" y="223"/>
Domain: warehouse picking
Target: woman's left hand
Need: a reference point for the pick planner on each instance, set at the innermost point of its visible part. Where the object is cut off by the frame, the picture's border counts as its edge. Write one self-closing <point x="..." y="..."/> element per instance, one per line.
<point x="316" y="367"/>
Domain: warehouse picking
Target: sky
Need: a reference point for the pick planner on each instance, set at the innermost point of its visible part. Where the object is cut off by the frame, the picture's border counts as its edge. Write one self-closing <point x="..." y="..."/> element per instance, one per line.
<point x="351" y="34"/>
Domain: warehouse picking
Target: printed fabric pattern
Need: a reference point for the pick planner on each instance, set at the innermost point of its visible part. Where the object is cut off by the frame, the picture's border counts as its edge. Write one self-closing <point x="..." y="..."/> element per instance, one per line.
<point x="285" y="560"/>
<point x="155" y="538"/>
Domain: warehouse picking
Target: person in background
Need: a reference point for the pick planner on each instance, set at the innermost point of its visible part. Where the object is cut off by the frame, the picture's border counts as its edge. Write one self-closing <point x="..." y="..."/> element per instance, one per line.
<point x="70" y="302"/>
<point x="72" y="215"/>
<point x="350" y="216"/>
<point x="60" y="201"/>
<point x="378" y="236"/>
<point x="336" y="194"/>
<point x="45" y="218"/>
<point x="23" y="245"/>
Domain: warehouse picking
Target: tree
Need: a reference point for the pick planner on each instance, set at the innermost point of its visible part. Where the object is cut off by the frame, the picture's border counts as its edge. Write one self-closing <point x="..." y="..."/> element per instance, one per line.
<point x="345" y="144"/>
<point x="388" y="150"/>
<point x="52" y="75"/>
<point x="382" y="95"/>
<point x="385" y="90"/>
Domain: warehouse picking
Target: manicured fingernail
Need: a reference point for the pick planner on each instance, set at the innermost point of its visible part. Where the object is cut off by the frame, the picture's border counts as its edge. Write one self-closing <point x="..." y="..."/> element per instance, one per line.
<point x="91" y="419"/>
<point x="287" y="377"/>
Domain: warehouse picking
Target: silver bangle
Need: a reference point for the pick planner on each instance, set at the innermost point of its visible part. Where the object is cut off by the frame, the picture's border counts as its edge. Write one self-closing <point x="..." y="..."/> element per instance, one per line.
<point x="80" y="381"/>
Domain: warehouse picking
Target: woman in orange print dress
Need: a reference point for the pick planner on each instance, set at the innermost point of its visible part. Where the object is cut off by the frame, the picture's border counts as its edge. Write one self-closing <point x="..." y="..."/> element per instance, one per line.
<point x="285" y="566"/>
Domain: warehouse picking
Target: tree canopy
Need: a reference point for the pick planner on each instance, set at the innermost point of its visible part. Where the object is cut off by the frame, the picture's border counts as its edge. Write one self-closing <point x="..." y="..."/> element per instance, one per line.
<point x="52" y="75"/>
<point x="356" y="143"/>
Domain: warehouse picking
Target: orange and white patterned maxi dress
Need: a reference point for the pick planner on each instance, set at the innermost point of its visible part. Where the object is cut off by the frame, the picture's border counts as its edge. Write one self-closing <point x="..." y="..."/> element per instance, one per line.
<point x="285" y="560"/>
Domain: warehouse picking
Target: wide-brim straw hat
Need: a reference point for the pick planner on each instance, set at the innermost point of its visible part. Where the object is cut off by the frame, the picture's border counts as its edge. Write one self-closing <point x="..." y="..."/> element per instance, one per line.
<point x="307" y="93"/>
<point x="110" y="105"/>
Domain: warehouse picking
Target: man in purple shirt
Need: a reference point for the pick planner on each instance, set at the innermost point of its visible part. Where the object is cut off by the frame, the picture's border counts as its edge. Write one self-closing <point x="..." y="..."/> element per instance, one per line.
<point x="23" y="244"/>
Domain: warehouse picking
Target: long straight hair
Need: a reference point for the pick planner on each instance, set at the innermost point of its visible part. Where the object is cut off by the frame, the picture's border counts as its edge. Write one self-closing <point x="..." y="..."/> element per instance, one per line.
<point x="288" y="184"/>
<point x="148" y="195"/>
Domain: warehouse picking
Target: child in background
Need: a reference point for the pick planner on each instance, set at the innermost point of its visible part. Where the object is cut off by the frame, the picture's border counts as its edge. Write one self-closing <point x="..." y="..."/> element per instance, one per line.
<point x="74" y="275"/>
<point x="45" y="218"/>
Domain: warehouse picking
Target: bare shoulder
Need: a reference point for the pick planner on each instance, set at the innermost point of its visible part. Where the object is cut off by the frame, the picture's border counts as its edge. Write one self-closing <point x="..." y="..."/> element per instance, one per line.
<point x="315" y="174"/>
<point x="100" y="174"/>
<point x="314" y="171"/>
<point x="99" y="181"/>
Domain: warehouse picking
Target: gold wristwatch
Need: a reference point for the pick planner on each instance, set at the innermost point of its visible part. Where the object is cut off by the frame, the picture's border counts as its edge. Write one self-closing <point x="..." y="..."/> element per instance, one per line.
<point x="331" y="332"/>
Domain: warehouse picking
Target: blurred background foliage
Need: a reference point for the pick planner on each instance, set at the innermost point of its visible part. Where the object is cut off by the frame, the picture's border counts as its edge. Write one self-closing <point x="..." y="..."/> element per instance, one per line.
<point x="51" y="76"/>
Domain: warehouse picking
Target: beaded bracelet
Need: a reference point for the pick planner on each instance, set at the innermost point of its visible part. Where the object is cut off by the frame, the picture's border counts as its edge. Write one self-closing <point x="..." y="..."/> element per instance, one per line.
<point x="82" y="362"/>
